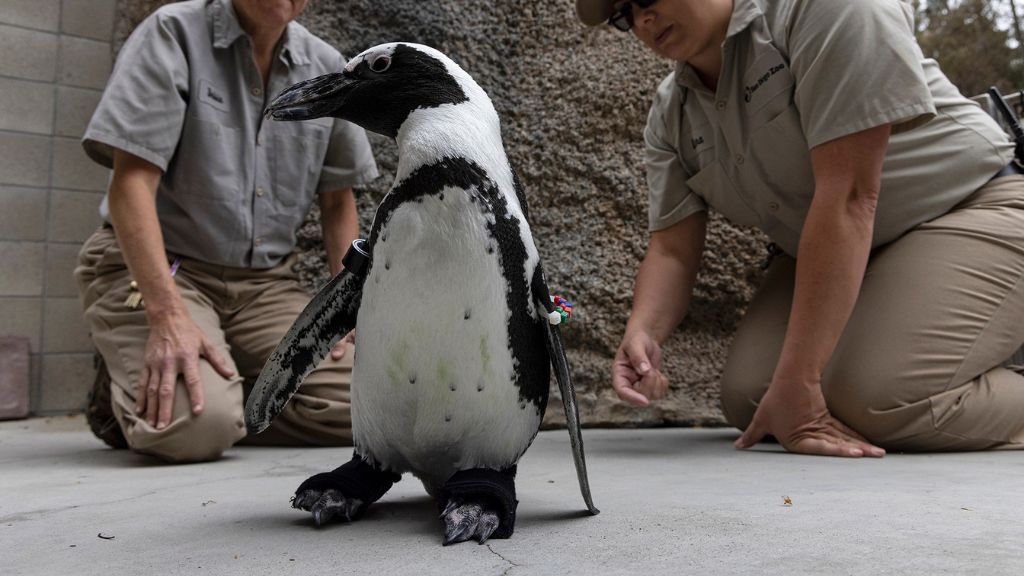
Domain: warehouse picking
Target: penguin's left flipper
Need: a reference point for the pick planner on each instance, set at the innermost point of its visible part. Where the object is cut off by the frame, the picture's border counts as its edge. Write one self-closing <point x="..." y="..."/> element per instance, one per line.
<point x="345" y="492"/>
<point x="326" y="319"/>
<point x="563" y="376"/>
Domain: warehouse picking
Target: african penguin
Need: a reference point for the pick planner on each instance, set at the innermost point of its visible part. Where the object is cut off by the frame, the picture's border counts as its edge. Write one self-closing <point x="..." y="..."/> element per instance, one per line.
<point x="453" y="347"/>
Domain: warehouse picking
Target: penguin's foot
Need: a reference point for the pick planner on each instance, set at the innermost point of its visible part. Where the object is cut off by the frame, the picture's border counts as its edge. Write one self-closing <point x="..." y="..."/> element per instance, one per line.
<point x="478" y="504"/>
<point x="468" y="521"/>
<point x="343" y="493"/>
<point x="327" y="505"/>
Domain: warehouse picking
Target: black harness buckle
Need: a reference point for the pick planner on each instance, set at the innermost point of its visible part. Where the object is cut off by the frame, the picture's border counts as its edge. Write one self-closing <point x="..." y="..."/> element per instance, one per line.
<point x="357" y="259"/>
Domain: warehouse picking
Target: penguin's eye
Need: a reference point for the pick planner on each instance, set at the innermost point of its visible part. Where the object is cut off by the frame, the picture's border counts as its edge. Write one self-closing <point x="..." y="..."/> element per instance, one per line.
<point x="380" y="64"/>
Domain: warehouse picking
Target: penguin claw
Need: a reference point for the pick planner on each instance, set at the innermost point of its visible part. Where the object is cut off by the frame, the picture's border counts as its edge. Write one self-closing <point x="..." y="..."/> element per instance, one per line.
<point x="488" y="524"/>
<point x="452" y="505"/>
<point x="327" y="505"/>
<point x="305" y="499"/>
<point x="469" y="521"/>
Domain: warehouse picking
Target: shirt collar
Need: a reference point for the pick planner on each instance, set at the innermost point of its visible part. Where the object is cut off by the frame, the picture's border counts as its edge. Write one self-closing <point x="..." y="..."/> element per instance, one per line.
<point x="291" y="46"/>
<point x="226" y="30"/>
<point x="743" y="13"/>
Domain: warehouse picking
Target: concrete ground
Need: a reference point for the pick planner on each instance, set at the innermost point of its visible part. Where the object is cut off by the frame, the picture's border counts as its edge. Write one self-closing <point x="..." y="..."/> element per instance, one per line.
<point x="673" y="501"/>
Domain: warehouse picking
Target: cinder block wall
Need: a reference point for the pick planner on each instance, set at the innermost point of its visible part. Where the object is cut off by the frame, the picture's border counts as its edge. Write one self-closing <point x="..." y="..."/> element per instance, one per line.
<point x="55" y="57"/>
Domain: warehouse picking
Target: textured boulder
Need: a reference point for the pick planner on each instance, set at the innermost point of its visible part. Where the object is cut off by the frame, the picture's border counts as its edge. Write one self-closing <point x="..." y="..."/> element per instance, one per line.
<point x="573" y="104"/>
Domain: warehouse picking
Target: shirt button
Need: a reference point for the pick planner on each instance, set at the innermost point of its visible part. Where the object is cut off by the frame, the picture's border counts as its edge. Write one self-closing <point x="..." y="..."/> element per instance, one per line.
<point x="259" y="140"/>
<point x="257" y="91"/>
<point x="739" y="158"/>
<point x="720" y="105"/>
<point x="258" y="242"/>
<point x="773" y="206"/>
<point x="259" y="191"/>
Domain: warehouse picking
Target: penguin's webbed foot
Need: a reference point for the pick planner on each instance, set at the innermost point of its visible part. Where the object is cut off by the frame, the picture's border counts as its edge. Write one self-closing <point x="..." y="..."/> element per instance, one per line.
<point x="343" y="493"/>
<point x="478" y="504"/>
<point x="327" y="505"/>
<point x="465" y="521"/>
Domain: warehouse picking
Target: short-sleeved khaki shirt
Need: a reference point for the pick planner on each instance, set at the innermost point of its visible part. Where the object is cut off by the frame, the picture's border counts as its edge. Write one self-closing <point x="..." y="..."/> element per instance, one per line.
<point x="187" y="96"/>
<point x="796" y="74"/>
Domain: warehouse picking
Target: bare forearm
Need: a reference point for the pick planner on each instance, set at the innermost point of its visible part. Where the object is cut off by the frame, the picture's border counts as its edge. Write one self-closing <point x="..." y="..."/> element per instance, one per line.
<point x="833" y="253"/>
<point x="664" y="283"/>
<point x="340" y="223"/>
<point x="834" y="249"/>
<point x="133" y="214"/>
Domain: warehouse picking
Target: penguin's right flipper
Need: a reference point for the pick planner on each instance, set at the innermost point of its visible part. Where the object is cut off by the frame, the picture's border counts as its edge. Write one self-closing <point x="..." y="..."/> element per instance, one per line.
<point x="564" y="378"/>
<point x="345" y="492"/>
<point x="326" y="319"/>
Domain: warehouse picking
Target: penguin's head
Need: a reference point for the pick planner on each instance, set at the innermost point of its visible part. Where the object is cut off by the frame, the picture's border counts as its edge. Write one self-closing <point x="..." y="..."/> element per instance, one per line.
<point x="379" y="88"/>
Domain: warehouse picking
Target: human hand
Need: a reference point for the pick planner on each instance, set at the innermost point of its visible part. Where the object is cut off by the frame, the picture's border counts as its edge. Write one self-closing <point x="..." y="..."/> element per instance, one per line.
<point x="174" y="346"/>
<point x="341" y="348"/>
<point x="636" y="371"/>
<point x="798" y="418"/>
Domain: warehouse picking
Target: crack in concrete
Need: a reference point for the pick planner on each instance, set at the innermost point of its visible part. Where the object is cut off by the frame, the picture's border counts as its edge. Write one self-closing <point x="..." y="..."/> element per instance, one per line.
<point x="511" y="563"/>
<point x="42" y="513"/>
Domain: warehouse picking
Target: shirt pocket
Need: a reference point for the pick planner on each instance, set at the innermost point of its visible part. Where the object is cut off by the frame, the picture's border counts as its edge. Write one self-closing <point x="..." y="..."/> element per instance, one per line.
<point x="298" y="157"/>
<point x="714" y="186"/>
<point x="784" y="162"/>
<point x="768" y="89"/>
<point x="205" y="153"/>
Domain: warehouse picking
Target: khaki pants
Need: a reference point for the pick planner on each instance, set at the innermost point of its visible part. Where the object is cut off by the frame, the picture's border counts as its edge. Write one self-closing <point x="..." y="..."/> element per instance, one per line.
<point x="244" y="313"/>
<point x="920" y="365"/>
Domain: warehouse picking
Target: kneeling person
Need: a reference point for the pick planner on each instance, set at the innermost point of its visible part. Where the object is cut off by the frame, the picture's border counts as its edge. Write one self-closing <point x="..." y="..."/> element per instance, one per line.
<point x="189" y="285"/>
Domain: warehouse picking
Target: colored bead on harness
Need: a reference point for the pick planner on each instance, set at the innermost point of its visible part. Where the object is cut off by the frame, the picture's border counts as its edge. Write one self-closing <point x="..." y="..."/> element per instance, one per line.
<point x="562" y="312"/>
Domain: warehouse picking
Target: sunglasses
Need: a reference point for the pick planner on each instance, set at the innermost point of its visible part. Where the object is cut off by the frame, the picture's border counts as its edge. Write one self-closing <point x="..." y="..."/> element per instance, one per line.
<point x="623" y="18"/>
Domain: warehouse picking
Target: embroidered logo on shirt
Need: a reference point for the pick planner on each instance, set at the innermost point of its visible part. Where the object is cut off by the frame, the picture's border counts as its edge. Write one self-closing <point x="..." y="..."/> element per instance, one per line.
<point x="214" y="96"/>
<point x="696" y="141"/>
<point x="208" y="94"/>
<point x="761" y="81"/>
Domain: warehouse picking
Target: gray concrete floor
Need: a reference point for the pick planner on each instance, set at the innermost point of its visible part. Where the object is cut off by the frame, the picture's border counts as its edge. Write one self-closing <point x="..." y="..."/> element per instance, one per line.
<point x="673" y="501"/>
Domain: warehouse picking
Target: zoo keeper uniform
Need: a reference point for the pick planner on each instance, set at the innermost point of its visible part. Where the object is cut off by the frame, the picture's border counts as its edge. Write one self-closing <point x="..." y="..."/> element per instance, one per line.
<point x="187" y="96"/>
<point x="918" y="366"/>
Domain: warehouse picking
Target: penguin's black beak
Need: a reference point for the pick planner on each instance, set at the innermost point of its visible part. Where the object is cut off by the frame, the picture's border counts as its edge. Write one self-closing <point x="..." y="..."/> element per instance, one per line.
<point x="315" y="98"/>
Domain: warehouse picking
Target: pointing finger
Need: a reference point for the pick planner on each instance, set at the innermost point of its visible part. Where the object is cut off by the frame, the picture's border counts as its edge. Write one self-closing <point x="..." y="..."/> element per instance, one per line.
<point x="165" y="395"/>
<point x="752" y="435"/>
<point x="637" y="357"/>
<point x="140" y="391"/>
<point x="339" y="350"/>
<point x="623" y="378"/>
<point x="152" y="385"/>
<point x="222" y="366"/>
<point x="194" y="385"/>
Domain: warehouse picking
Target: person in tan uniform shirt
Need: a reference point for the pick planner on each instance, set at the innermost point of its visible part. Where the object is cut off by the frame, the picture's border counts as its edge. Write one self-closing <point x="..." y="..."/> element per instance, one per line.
<point x="892" y="312"/>
<point x="202" y="212"/>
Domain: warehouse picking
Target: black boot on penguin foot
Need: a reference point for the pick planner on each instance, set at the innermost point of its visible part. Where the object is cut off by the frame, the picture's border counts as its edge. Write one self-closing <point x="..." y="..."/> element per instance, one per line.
<point x="343" y="493"/>
<point x="478" y="504"/>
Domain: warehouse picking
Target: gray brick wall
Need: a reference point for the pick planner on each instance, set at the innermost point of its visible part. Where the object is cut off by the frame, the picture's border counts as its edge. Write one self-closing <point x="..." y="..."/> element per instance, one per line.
<point x="55" y="56"/>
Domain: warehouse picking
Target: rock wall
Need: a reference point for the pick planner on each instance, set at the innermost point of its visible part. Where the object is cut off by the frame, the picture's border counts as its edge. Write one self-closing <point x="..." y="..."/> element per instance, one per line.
<point x="573" y="104"/>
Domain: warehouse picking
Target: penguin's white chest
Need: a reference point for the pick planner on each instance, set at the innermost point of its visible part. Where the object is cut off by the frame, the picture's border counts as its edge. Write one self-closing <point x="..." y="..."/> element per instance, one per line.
<point x="433" y="384"/>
